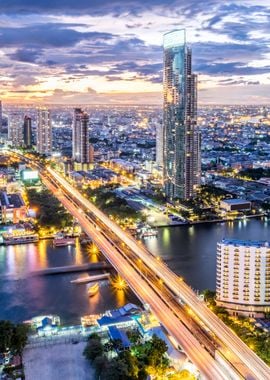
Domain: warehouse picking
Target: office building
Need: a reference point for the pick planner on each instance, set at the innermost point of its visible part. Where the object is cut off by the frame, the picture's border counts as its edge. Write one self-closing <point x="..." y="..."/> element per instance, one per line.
<point x="15" y="128"/>
<point x="44" y="132"/>
<point x="159" y="145"/>
<point x="1" y="118"/>
<point x="243" y="277"/>
<point x="27" y="132"/>
<point x="181" y="144"/>
<point x="80" y="138"/>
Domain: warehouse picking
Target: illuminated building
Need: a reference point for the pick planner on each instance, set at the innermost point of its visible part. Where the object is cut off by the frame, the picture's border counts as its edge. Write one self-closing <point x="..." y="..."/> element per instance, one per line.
<point x="27" y="132"/>
<point x="243" y="277"/>
<point x="1" y="113"/>
<point x="44" y="131"/>
<point x="159" y="145"/>
<point x="181" y="144"/>
<point x="15" y="128"/>
<point x="80" y="138"/>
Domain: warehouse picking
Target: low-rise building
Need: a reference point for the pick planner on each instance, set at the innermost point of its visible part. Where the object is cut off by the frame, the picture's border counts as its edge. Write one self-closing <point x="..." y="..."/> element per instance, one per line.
<point x="13" y="208"/>
<point x="235" y="205"/>
<point x="243" y="277"/>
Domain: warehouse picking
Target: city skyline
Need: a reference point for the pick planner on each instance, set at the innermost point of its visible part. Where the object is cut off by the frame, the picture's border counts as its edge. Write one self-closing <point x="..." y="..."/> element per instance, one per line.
<point x="110" y="52"/>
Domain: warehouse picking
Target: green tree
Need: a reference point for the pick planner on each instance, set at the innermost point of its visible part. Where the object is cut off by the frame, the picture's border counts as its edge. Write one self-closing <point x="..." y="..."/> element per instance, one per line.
<point x="6" y="332"/>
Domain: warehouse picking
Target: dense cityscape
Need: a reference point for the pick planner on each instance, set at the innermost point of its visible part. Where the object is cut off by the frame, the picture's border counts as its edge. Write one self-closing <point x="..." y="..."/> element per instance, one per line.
<point x="134" y="231"/>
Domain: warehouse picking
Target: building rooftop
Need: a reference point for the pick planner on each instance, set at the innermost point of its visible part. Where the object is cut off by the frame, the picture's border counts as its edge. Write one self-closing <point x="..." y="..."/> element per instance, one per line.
<point x="235" y="201"/>
<point x="116" y="334"/>
<point x="246" y="243"/>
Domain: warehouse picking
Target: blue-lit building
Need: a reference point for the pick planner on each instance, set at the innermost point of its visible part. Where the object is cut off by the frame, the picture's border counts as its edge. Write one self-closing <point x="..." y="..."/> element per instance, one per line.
<point x="181" y="139"/>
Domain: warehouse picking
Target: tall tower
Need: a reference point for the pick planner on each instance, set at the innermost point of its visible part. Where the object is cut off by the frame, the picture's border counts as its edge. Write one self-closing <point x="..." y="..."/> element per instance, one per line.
<point x="27" y="131"/>
<point x="44" y="131"/>
<point x="159" y="145"/>
<point x="1" y="115"/>
<point x="15" y="130"/>
<point x="181" y="139"/>
<point x="80" y="137"/>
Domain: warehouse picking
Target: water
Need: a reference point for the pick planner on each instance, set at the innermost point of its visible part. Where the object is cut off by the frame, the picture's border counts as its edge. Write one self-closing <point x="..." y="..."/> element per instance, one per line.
<point x="23" y="295"/>
<point x="189" y="251"/>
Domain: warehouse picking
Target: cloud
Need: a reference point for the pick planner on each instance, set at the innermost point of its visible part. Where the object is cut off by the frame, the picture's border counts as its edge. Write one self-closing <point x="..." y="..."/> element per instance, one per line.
<point x="49" y="35"/>
<point x="98" y="7"/>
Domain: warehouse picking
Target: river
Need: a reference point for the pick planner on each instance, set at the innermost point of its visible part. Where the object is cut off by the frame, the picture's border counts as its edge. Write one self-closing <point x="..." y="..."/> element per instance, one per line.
<point x="189" y="250"/>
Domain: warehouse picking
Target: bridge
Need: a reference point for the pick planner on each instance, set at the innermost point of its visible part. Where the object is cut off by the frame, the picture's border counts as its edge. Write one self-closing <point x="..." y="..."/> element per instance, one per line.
<point x="208" y="342"/>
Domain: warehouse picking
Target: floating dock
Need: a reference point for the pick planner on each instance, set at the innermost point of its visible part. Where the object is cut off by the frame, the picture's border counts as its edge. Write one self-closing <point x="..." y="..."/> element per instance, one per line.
<point x="72" y="269"/>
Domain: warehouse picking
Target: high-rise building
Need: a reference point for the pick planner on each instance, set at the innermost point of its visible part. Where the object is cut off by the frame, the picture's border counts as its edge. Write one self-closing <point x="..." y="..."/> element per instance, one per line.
<point x="15" y="128"/>
<point x="44" y="131"/>
<point x="181" y="139"/>
<point x="159" y="145"/>
<point x="27" y="131"/>
<point x="80" y="137"/>
<point x="1" y="115"/>
<point x="243" y="277"/>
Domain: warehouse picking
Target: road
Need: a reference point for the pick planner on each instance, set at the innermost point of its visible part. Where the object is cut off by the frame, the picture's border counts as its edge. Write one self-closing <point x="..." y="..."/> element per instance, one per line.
<point x="244" y="362"/>
<point x="206" y="364"/>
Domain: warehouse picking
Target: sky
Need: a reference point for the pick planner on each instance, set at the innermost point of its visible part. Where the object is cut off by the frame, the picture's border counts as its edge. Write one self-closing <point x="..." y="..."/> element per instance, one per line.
<point x="110" y="51"/>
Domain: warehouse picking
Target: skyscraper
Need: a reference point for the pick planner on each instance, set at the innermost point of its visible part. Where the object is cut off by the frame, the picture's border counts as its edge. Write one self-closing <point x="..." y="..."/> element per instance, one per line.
<point x="159" y="145"/>
<point x="80" y="137"/>
<point x="181" y="139"/>
<point x="1" y="113"/>
<point x="27" y="131"/>
<point x="44" y="131"/>
<point x="15" y="129"/>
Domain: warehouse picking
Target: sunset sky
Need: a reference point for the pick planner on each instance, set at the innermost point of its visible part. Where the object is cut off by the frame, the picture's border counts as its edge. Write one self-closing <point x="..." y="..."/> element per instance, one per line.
<point x="110" y="51"/>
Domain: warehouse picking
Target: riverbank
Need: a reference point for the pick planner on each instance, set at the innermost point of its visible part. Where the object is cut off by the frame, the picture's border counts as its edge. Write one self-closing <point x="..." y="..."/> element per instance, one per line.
<point x="57" y="361"/>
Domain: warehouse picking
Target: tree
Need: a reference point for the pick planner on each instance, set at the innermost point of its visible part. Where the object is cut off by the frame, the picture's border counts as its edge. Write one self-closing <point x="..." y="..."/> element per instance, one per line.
<point x="93" y="349"/>
<point x="6" y="332"/>
<point x="19" y="339"/>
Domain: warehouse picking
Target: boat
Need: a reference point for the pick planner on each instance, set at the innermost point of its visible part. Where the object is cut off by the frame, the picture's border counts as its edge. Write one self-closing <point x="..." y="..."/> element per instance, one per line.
<point x="62" y="240"/>
<point x="86" y="279"/>
<point x="92" y="289"/>
<point x="19" y="237"/>
<point x="149" y="232"/>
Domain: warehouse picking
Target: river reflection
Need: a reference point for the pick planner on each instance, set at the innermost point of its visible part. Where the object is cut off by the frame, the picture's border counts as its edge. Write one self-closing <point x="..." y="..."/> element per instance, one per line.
<point x="190" y="252"/>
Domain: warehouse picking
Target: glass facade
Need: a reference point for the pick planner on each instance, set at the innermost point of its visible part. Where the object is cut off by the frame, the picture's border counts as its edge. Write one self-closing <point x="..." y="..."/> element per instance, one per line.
<point x="181" y="160"/>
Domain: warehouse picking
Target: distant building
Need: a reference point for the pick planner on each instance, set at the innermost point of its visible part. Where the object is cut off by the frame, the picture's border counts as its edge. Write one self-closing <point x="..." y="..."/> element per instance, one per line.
<point x="181" y="144"/>
<point x="159" y="145"/>
<point x="1" y="118"/>
<point x="235" y="205"/>
<point x="91" y="154"/>
<point x="27" y="132"/>
<point x="243" y="277"/>
<point x="44" y="132"/>
<point x="15" y="128"/>
<point x="13" y="208"/>
<point x="80" y="138"/>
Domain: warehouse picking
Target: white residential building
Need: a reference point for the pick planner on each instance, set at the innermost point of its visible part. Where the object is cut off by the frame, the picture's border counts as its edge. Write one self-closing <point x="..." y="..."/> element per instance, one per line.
<point x="243" y="277"/>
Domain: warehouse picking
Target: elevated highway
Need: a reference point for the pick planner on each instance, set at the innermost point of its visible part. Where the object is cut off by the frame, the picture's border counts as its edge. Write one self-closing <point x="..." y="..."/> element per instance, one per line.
<point x="209" y="343"/>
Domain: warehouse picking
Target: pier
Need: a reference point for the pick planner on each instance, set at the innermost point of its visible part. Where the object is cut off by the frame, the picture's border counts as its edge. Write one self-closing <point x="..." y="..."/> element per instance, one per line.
<point x="73" y="269"/>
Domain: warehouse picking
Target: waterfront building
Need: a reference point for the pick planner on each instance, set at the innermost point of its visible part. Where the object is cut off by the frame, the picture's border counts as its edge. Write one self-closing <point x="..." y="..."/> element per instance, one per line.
<point x="235" y="205"/>
<point x="15" y="129"/>
<point x="12" y="207"/>
<point x="44" y="132"/>
<point x="80" y="138"/>
<point x="181" y="139"/>
<point x="27" y="132"/>
<point x="243" y="277"/>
